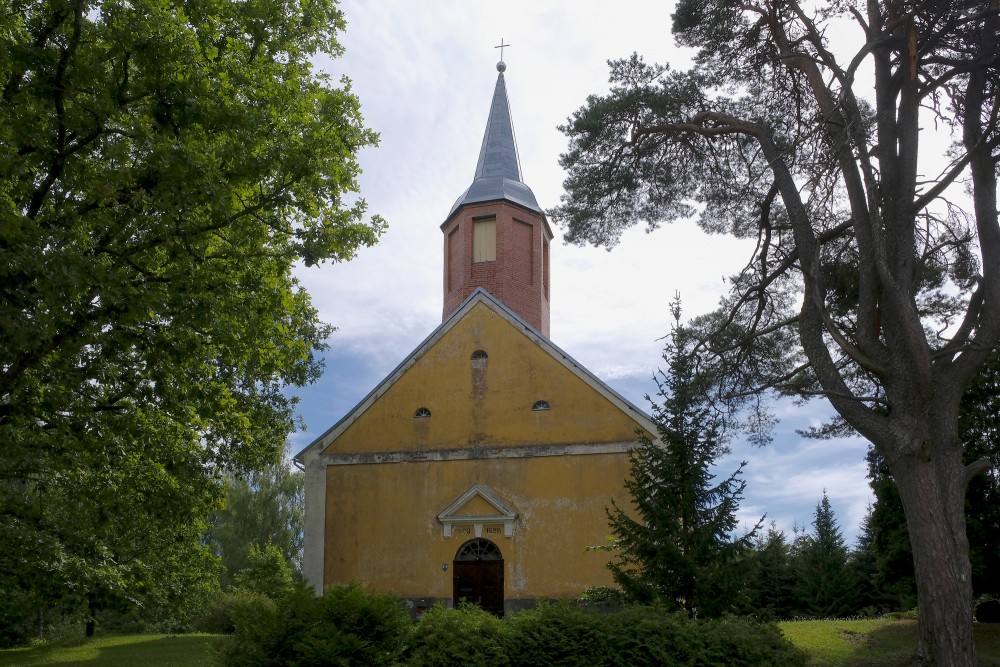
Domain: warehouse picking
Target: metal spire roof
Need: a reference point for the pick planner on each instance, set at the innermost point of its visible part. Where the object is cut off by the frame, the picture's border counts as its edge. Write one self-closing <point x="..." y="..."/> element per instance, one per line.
<point x="498" y="173"/>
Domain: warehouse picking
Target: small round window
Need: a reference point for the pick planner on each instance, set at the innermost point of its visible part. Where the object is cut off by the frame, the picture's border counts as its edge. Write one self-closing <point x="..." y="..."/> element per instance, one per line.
<point x="421" y="413"/>
<point x="540" y="405"/>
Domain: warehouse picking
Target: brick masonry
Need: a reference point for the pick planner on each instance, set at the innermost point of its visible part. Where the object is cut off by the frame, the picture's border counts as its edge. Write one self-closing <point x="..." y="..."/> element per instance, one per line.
<point x="519" y="275"/>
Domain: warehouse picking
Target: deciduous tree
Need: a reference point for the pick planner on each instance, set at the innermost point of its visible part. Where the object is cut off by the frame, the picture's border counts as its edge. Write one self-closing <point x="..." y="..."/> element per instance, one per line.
<point x="875" y="281"/>
<point x="163" y="165"/>
<point x="263" y="509"/>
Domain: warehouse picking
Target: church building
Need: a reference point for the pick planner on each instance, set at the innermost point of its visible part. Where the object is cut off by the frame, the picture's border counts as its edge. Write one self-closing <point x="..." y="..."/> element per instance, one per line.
<point x="481" y="467"/>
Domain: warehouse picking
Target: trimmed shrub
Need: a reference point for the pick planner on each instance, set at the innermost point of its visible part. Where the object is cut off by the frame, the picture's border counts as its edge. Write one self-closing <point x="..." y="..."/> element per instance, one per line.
<point x="557" y="634"/>
<point x="640" y="636"/>
<point x="220" y="613"/>
<point x="464" y="636"/>
<point x="346" y="626"/>
<point x="744" y="643"/>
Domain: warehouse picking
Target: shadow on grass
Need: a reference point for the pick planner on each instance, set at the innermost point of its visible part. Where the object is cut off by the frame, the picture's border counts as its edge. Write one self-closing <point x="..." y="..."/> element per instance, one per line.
<point x="145" y="650"/>
<point x="885" y="645"/>
<point x="893" y="644"/>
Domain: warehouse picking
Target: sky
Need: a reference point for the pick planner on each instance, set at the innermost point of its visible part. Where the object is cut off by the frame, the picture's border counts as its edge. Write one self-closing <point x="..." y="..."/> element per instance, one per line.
<point x="425" y="73"/>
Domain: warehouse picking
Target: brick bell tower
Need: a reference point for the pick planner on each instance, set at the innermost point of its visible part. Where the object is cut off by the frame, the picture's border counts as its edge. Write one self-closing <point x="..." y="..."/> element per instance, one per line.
<point x="496" y="236"/>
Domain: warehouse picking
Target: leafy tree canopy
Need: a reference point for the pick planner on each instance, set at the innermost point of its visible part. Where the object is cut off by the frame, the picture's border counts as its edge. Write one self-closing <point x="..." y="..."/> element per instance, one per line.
<point x="875" y="281"/>
<point x="163" y="165"/>
<point x="263" y="509"/>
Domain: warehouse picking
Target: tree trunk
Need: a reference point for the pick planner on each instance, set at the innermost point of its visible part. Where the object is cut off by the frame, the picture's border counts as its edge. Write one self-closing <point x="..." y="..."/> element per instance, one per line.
<point x="91" y="613"/>
<point x="932" y="486"/>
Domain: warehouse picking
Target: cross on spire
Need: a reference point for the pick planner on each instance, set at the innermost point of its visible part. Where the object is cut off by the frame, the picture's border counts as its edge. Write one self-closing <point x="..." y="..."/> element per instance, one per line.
<point x="501" y="46"/>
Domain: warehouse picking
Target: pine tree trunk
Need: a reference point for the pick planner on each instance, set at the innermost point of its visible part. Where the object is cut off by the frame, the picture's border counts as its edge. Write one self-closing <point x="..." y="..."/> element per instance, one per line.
<point x="932" y="487"/>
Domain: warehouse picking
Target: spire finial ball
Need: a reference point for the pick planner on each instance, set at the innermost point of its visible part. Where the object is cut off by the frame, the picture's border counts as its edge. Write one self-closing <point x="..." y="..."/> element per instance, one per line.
<point x="501" y="66"/>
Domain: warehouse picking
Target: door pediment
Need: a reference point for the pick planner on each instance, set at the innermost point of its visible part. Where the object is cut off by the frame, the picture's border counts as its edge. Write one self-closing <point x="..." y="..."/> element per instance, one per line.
<point x="477" y="507"/>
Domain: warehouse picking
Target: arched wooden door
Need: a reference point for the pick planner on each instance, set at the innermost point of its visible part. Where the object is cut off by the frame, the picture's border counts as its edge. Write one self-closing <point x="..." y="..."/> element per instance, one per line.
<point x="478" y="575"/>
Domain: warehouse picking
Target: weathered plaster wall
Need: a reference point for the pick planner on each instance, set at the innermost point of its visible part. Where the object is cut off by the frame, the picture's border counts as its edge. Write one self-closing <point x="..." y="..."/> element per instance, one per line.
<point x="485" y="404"/>
<point x="382" y="530"/>
<point x="389" y="474"/>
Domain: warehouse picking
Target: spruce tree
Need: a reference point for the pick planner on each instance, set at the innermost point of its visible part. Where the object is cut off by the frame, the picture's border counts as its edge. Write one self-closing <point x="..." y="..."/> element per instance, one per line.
<point x="863" y="566"/>
<point x="771" y="585"/>
<point x="675" y="543"/>
<point x="824" y="583"/>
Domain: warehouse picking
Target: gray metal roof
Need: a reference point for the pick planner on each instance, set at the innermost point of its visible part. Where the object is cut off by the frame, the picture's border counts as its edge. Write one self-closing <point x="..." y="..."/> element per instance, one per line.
<point x="498" y="173"/>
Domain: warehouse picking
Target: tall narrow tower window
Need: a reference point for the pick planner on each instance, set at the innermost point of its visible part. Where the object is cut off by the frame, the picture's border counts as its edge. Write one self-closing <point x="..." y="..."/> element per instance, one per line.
<point x="545" y="267"/>
<point x="484" y="239"/>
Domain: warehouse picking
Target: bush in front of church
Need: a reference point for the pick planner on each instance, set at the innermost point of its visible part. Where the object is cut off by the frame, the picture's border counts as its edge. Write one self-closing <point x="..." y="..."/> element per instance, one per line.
<point x="466" y="636"/>
<point x="346" y="626"/>
<point x="238" y="606"/>
<point x="557" y="634"/>
<point x="643" y="636"/>
<point x="566" y="634"/>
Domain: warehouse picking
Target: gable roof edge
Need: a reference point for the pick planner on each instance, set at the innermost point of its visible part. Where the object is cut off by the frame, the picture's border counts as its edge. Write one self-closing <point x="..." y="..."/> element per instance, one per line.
<point x="480" y="295"/>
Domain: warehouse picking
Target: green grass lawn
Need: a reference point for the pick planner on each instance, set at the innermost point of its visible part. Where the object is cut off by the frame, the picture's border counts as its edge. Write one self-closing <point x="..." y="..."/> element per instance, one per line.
<point x="118" y="651"/>
<point x="874" y="642"/>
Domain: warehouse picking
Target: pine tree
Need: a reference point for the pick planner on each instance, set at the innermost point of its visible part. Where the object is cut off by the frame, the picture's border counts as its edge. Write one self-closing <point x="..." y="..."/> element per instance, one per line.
<point x="979" y="429"/>
<point x="824" y="583"/>
<point x="675" y="544"/>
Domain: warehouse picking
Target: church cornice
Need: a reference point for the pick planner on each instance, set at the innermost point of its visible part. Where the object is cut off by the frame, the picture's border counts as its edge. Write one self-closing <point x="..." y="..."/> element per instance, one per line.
<point x="473" y="452"/>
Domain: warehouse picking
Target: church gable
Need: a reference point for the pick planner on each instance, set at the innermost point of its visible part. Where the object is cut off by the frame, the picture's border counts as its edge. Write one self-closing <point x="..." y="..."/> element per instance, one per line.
<point x="485" y="379"/>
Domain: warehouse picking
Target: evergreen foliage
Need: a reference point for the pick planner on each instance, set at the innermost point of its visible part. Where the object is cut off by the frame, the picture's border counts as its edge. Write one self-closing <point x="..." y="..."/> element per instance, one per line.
<point x="348" y="626"/>
<point x="677" y="548"/>
<point x="979" y="428"/>
<point x="345" y="626"/>
<point x="890" y="540"/>
<point x="641" y="637"/>
<point x="824" y="587"/>
<point x="557" y="634"/>
<point x="771" y="583"/>
<point x="862" y="565"/>
<point x="465" y="636"/>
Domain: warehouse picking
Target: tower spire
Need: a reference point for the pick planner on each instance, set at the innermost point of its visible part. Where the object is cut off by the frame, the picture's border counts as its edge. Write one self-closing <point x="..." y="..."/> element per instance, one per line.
<point x="498" y="172"/>
<point x="496" y="237"/>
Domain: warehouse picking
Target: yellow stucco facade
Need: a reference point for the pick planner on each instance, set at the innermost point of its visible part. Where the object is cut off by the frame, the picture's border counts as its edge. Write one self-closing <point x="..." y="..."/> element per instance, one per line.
<point x="485" y="402"/>
<point x="403" y="491"/>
